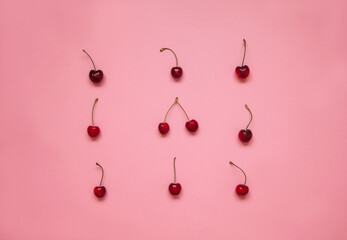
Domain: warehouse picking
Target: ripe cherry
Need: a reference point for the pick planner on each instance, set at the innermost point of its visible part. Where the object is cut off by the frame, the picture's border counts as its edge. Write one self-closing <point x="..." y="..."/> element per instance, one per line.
<point x="243" y="71"/>
<point x="191" y="125"/>
<point x="241" y="189"/>
<point x="245" y="135"/>
<point x="175" y="188"/>
<point x="93" y="131"/>
<point x="176" y="72"/>
<point x="94" y="75"/>
<point x="100" y="191"/>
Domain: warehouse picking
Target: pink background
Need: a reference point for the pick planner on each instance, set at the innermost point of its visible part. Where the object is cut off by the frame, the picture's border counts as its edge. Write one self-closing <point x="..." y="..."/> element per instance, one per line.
<point x="296" y="162"/>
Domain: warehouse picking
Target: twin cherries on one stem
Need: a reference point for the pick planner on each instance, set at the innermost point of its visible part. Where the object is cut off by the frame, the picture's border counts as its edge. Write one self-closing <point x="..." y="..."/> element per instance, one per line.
<point x="191" y="125"/>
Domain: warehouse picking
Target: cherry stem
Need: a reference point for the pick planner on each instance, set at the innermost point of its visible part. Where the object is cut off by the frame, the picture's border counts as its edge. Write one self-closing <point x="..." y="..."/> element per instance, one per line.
<point x="96" y="99"/>
<point x="90" y="58"/>
<point x="183" y="110"/>
<point x="163" y="49"/>
<point x="102" y="177"/>
<point x="249" y="110"/>
<point x="244" y="51"/>
<point x="231" y="163"/>
<point x="175" y="102"/>
<point x="174" y="164"/>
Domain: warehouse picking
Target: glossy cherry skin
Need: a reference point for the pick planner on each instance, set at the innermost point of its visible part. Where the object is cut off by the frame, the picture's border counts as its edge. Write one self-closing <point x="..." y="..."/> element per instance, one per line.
<point x="93" y="131"/>
<point x="99" y="191"/>
<point x="163" y="128"/>
<point x="241" y="190"/>
<point x="96" y="75"/>
<point x="192" y="125"/>
<point x="245" y="135"/>
<point x="175" y="188"/>
<point x="176" y="72"/>
<point x="242" y="72"/>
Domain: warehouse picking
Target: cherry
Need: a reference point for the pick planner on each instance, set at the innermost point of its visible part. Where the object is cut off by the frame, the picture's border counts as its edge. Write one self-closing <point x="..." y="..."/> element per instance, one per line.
<point x="175" y="188"/>
<point x="93" y="131"/>
<point x="176" y="72"/>
<point x="245" y="135"/>
<point x="243" y="71"/>
<point x="191" y="125"/>
<point x="100" y="191"/>
<point x="163" y="128"/>
<point x="241" y="189"/>
<point x="94" y="75"/>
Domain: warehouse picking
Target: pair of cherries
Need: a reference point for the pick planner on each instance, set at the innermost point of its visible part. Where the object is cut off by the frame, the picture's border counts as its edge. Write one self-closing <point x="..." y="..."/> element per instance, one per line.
<point x="191" y="125"/>
<point x="241" y="189"/>
<point x="241" y="71"/>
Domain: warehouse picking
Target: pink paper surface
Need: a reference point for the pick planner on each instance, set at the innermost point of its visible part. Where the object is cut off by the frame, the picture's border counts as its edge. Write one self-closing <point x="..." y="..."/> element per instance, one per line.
<point x="296" y="162"/>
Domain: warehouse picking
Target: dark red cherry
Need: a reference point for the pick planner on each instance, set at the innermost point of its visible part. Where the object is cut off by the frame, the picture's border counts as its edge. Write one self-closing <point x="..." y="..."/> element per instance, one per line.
<point x="242" y="72"/>
<point x="176" y="72"/>
<point x="192" y="125"/>
<point x="93" y="131"/>
<point x="99" y="191"/>
<point x="241" y="190"/>
<point x="245" y="135"/>
<point x="163" y="128"/>
<point x="96" y="75"/>
<point x="175" y="188"/>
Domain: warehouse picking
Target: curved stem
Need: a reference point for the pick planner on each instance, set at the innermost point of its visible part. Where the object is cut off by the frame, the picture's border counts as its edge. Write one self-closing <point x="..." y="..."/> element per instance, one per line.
<point x="174" y="164"/>
<point x="102" y="177"/>
<point x="249" y="110"/>
<point x="176" y="101"/>
<point x="96" y="99"/>
<point x="231" y="163"/>
<point x="244" y="51"/>
<point x="163" y="49"/>
<point x="90" y="58"/>
<point x="183" y="110"/>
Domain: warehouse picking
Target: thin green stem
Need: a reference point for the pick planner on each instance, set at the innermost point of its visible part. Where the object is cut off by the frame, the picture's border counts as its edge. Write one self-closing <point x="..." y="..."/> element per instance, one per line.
<point x="244" y="51"/>
<point x="231" y="163"/>
<point x="163" y="49"/>
<point x="102" y="177"/>
<point x="249" y="110"/>
<point x="96" y="99"/>
<point x="176" y="101"/>
<point x="90" y="58"/>
<point x="174" y="164"/>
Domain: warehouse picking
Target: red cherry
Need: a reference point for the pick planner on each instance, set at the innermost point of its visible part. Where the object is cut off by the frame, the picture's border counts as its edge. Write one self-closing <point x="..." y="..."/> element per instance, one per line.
<point x="93" y="131"/>
<point x="175" y="188"/>
<point x="163" y="128"/>
<point x="241" y="190"/>
<point x="245" y="135"/>
<point x="243" y="71"/>
<point x="192" y="125"/>
<point x="176" y="72"/>
<point x="94" y="75"/>
<point x="100" y="190"/>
